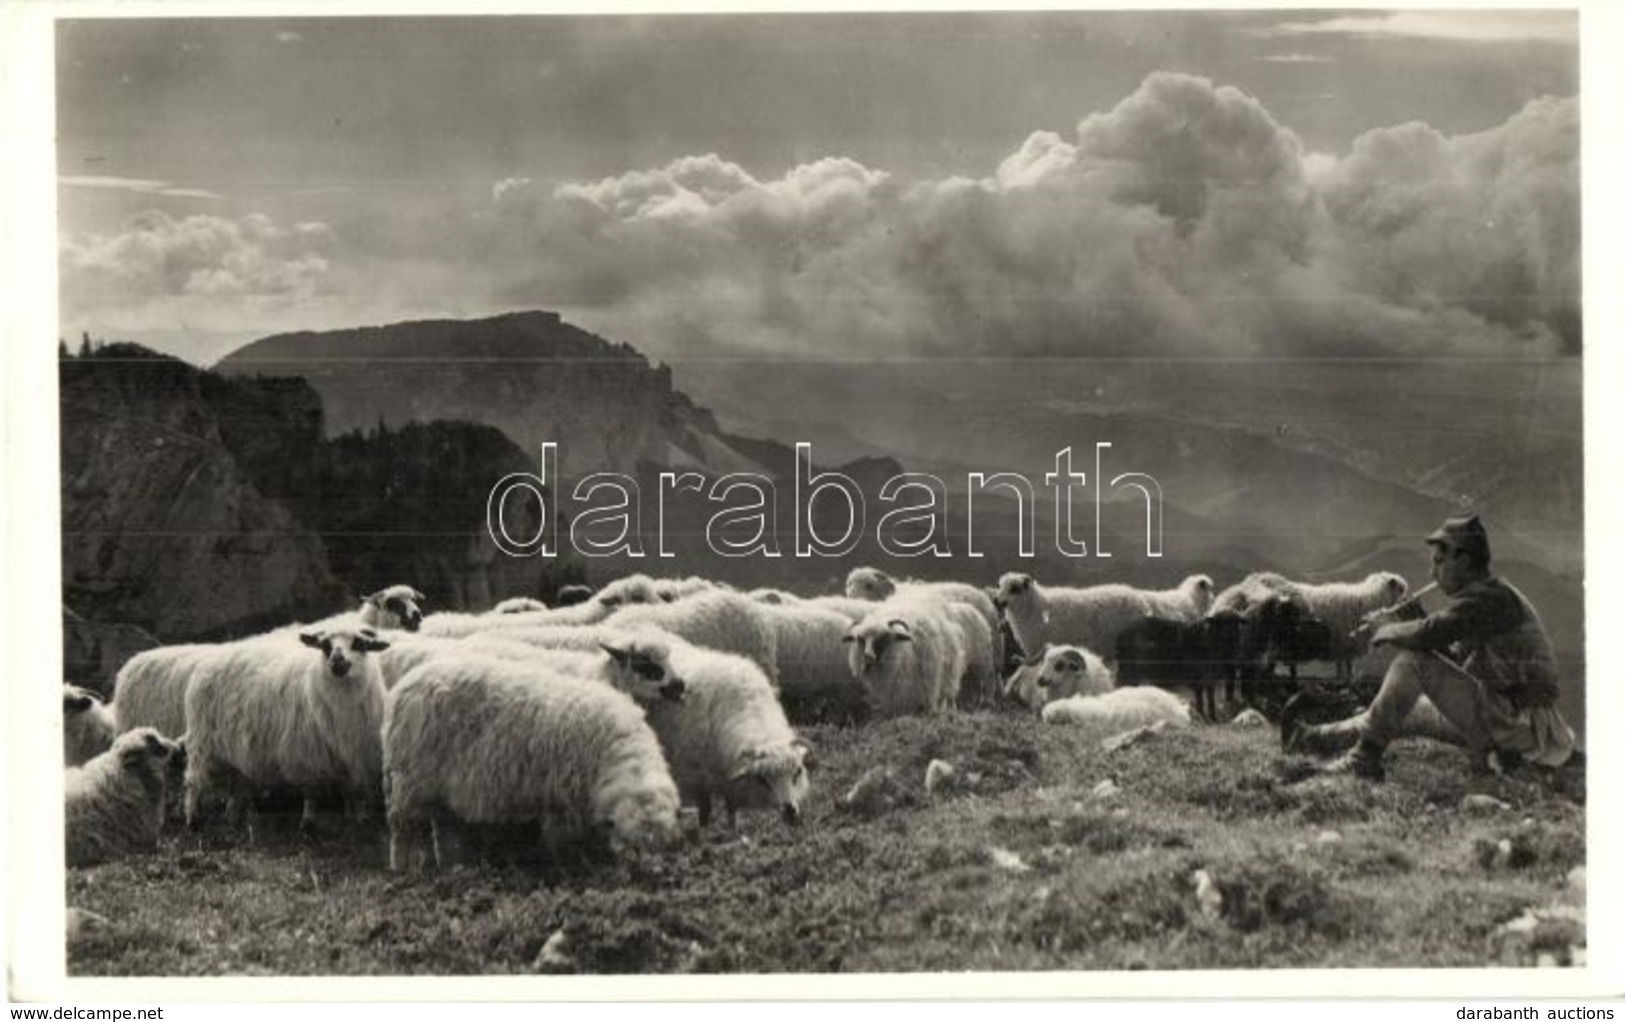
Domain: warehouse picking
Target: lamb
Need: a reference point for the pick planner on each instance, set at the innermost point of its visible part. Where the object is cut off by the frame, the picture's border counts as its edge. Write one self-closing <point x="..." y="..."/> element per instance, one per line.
<point x="268" y="713"/>
<point x="814" y="682"/>
<point x="1194" y="654"/>
<point x="1344" y="605"/>
<point x="114" y="804"/>
<point x="729" y="737"/>
<point x="636" y="663"/>
<point x="88" y="725"/>
<point x="1119" y="709"/>
<point x="908" y="654"/>
<point x="719" y="619"/>
<point x="1058" y="672"/>
<point x="518" y="605"/>
<point x="487" y="741"/>
<point x="1091" y="617"/>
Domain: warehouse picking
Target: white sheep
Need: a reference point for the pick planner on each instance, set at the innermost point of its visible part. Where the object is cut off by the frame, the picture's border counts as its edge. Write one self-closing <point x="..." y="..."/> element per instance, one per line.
<point x="393" y="608"/>
<point x="854" y="610"/>
<point x="814" y="680"/>
<point x="114" y="804"/>
<point x="518" y="605"/>
<point x="718" y="619"/>
<point x="488" y="741"/>
<point x="1058" y="672"/>
<point x="1344" y="605"/>
<point x="150" y="689"/>
<point x="1119" y="709"/>
<point x="1091" y="617"/>
<point x="270" y="713"/>
<point x="637" y="663"/>
<point x="88" y="725"/>
<point x="908" y="654"/>
<point x="1188" y="601"/>
<point x="458" y="624"/>
<point x="728" y="737"/>
<point x="874" y="585"/>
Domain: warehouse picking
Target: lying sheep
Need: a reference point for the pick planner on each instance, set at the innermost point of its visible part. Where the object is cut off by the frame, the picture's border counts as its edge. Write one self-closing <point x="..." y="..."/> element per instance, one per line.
<point x="1058" y="672"/>
<point x="1091" y="617"/>
<point x="486" y="741"/>
<point x="718" y="619"/>
<point x="269" y="713"/>
<point x="88" y="725"/>
<point x="728" y="737"/>
<point x="1199" y="655"/>
<point x="518" y="605"/>
<point x="908" y="654"/>
<point x="814" y="682"/>
<point x="1120" y="708"/>
<point x="114" y="804"/>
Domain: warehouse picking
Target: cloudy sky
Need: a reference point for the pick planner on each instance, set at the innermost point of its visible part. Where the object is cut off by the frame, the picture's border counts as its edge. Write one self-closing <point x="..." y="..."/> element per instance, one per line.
<point x="1272" y="183"/>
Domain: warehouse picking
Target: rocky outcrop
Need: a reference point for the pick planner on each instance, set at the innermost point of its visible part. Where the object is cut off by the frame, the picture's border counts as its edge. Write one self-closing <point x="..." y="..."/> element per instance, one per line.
<point x="93" y="651"/>
<point x="162" y="526"/>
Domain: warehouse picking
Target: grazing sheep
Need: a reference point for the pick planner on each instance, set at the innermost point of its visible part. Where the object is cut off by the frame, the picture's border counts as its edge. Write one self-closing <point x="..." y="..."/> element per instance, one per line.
<point x="814" y="682"/>
<point x="1120" y="708"/>
<point x="729" y="737"/>
<point x="1344" y="605"/>
<point x="518" y="605"/>
<point x="570" y="595"/>
<point x="1243" y="605"/>
<point x="1090" y="617"/>
<point x="720" y="619"/>
<point x="269" y="713"/>
<point x="150" y="689"/>
<point x="1058" y="672"/>
<point x="88" y="725"/>
<point x="1194" y="654"/>
<point x="637" y="663"/>
<point x="908" y="655"/>
<point x="488" y="741"/>
<point x="114" y="804"/>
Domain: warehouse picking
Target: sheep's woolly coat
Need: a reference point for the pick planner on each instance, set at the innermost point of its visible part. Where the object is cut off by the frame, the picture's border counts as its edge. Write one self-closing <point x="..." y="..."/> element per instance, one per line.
<point x="874" y="585"/>
<point x="1120" y="708"/>
<point x="150" y="689"/>
<point x="1188" y="601"/>
<point x="729" y="737"/>
<point x="270" y="712"/>
<point x="518" y="605"/>
<point x="1342" y="605"/>
<point x="812" y="662"/>
<point x="496" y="742"/>
<point x="457" y="625"/>
<point x="1059" y="672"/>
<point x="909" y="656"/>
<point x="114" y="804"/>
<point x="88" y="726"/>
<point x="1091" y="617"/>
<point x="721" y="619"/>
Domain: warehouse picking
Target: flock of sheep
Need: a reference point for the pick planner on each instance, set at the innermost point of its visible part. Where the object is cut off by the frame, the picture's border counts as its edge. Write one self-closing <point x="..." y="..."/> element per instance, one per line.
<point x="594" y="721"/>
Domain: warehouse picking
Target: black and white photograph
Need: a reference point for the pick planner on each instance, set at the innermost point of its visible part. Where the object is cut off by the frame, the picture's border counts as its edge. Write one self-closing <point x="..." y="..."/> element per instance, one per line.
<point x="975" y="493"/>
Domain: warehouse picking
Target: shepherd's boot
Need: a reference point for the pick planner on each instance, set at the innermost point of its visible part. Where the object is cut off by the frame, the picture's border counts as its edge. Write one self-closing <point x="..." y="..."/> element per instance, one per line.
<point x="1363" y="761"/>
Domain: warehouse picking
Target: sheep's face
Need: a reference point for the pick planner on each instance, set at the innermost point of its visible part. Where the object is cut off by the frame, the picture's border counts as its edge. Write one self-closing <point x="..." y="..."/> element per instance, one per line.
<point x="1200" y="588"/>
<point x="644" y="820"/>
<point x="1393" y="587"/>
<point x="149" y="755"/>
<point x="1022" y="685"/>
<point x="343" y="649"/>
<point x="643" y="671"/>
<point x="869" y="584"/>
<point x="1013" y="587"/>
<point x="570" y="595"/>
<point x="85" y="732"/>
<point x="395" y="607"/>
<point x="871" y="640"/>
<point x="76" y="701"/>
<point x="772" y="779"/>
<point x="1069" y="671"/>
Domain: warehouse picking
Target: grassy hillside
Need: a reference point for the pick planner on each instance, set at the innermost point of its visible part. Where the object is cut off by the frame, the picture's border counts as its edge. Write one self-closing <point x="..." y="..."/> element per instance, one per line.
<point x="1021" y="867"/>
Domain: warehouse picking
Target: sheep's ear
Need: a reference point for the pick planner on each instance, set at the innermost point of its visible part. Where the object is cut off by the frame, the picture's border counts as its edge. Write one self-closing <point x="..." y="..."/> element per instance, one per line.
<point x="620" y="656"/>
<point x="849" y="637"/>
<point x="314" y="640"/>
<point x="747" y="763"/>
<point x="371" y="644"/>
<point x="899" y="630"/>
<point x="374" y="598"/>
<point x="77" y="702"/>
<point x="419" y="597"/>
